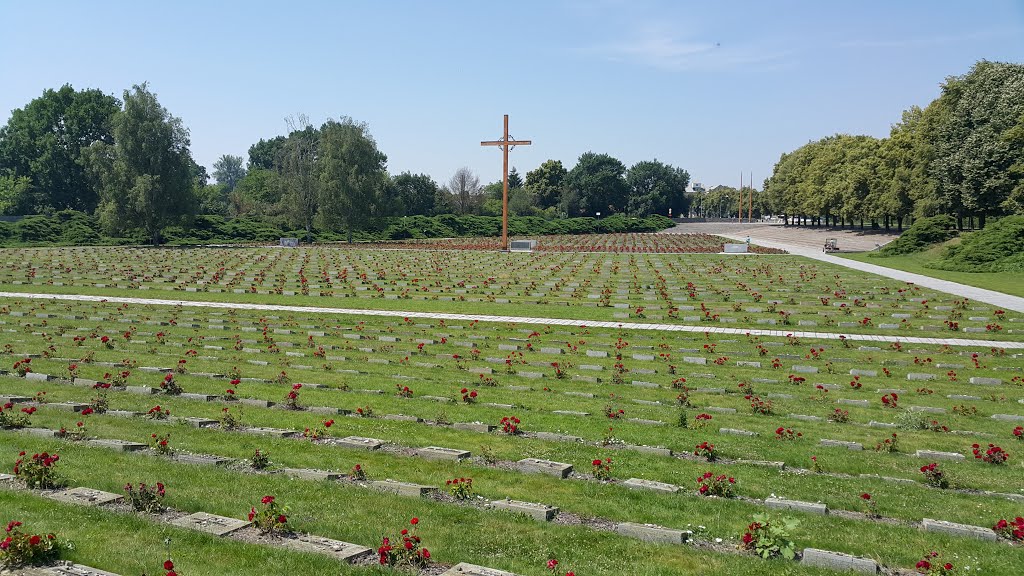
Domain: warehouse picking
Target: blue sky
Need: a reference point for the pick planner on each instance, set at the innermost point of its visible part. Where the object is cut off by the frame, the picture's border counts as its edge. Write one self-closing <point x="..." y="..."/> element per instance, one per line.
<point x="713" y="87"/>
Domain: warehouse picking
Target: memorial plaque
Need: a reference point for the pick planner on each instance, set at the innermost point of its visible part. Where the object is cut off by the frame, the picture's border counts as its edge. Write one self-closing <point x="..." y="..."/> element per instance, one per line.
<point x="541" y="512"/>
<point x="86" y="496"/>
<point x="559" y="469"/>
<point x="211" y="523"/>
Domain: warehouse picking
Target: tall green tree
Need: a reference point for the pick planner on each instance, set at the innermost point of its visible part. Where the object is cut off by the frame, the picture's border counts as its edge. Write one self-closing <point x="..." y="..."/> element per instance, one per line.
<point x="547" y="182"/>
<point x="297" y="165"/>
<point x="352" y="174"/>
<point x="654" y="187"/>
<point x="229" y="171"/>
<point x="595" y="184"/>
<point x="973" y="157"/>
<point x="44" y="141"/>
<point x="416" y="193"/>
<point x="145" y="177"/>
<point x="266" y="154"/>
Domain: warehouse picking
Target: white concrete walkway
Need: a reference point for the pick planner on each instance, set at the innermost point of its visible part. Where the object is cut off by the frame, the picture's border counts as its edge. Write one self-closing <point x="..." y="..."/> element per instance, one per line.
<point x="985" y="344"/>
<point x="999" y="299"/>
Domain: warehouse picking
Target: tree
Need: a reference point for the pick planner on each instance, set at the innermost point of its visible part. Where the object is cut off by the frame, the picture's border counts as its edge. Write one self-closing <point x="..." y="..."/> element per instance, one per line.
<point x="973" y="157"/>
<point x="228" y="170"/>
<point x="15" y="191"/>
<point x="259" y="190"/>
<point x="145" y="177"/>
<point x="514" y="179"/>
<point x="464" y="188"/>
<point x="297" y="165"/>
<point x="44" y="142"/>
<point x="547" y="182"/>
<point x="417" y="193"/>
<point x="655" y="187"/>
<point x="596" y="184"/>
<point x="266" y="154"/>
<point x="352" y="173"/>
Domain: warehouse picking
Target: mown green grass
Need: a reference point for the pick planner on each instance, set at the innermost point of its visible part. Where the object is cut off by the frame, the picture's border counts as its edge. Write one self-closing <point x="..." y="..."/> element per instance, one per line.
<point x="1005" y="282"/>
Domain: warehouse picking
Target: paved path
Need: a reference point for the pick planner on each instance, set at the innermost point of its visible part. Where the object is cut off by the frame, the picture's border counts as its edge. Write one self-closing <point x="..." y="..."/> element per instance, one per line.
<point x="521" y="320"/>
<point x="795" y="241"/>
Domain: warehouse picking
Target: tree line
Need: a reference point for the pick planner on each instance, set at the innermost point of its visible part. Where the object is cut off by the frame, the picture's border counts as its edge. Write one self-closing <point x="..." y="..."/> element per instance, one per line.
<point x="962" y="155"/>
<point x="127" y="161"/>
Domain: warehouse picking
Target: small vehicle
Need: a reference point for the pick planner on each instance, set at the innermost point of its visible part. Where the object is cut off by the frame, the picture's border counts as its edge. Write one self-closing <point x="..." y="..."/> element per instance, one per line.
<point x="831" y="245"/>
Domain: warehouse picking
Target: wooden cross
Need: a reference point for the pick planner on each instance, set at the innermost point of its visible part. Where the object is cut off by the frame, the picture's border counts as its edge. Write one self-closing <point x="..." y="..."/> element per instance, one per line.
<point x="505" y="143"/>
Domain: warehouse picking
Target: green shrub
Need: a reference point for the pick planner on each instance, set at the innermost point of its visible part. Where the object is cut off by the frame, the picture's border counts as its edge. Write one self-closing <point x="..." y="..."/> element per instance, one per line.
<point x="995" y="248"/>
<point x="922" y="234"/>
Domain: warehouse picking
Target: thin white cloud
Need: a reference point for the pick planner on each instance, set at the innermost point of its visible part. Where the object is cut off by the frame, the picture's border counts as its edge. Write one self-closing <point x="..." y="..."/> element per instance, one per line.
<point x="656" y="47"/>
<point x="922" y="41"/>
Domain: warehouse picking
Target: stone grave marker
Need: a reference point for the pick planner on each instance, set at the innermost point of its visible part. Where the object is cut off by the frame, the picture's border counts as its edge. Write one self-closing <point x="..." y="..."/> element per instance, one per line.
<point x="559" y="469"/>
<point x="402" y="488"/>
<point x="936" y="455"/>
<point x="842" y="444"/>
<point x="838" y="561"/>
<point x="651" y="533"/>
<point x="640" y="484"/>
<point x="438" y="453"/>
<point x="86" y="496"/>
<point x="277" y="432"/>
<point x="809" y="507"/>
<point x="119" y="445"/>
<point x="464" y="569"/>
<point x="359" y="442"/>
<point x="210" y="523"/>
<point x="955" y="529"/>
<point x="311" y="474"/>
<point x="343" y="551"/>
<point x="541" y="512"/>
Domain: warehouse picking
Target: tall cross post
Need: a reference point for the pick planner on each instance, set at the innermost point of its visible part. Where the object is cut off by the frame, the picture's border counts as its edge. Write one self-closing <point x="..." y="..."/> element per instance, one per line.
<point x="505" y="143"/>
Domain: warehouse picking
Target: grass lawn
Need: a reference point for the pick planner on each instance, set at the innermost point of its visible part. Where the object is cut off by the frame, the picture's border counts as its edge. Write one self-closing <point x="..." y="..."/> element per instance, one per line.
<point x="1006" y="282"/>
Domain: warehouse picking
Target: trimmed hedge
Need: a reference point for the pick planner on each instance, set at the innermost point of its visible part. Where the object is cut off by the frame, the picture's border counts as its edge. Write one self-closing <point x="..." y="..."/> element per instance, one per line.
<point x="924" y="233"/>
<point x="70" y="228"/>
<point x="995" y="248"/>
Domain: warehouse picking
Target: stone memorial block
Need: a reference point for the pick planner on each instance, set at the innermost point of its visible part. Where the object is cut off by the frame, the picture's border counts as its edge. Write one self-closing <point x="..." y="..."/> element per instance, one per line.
<point x="199" y="397"/>
<point x="438" y="453"/>
<point x="640" y="484"/>
<point x="656" y="450"/>
<point x="474" y="426"/>
<point x="68" y="406"/>
<point x="805" y="417"/>
<point x="936" y="455"/>
<point x="720" y="410"/>
<point x="541" y="512"/>
<point x="359" y="442"/>
<point x="985" y="381"/>
<point x="343" y="551"/>
<point x="310" y="474"/>
<point x="119" y="445"/>
<point x="402" y="488"/>
<point x="464" y="569"/>
<point x="873" y="424"/>
<point x="277" y="432"/>
<point x="927" y="409"/>
<point x="736" y="432"/>
<point x="852" y="402"/>
<point x="559" y="469"/>
<point x="838" y="561"/>
<point x="1008" y="417"/>
<point x="556" y="437"/>
<point x="920" y="376"/>
<point x="783" y="504"/>
<point x="965" y="530"/>
<point x="201" y="459"/>
<point x="211" y="523"/>
<point x="13" y="400"/>
<point x="695" y="360"/>
<point x="749" y="364"/>
<point x="64" y="569"/>
<point x="805" y="369"/>
<point x="651" y="533"/>
<point x="842" y="444"/>
<point x="44" y="432"/>
<point x="402" y="418"/>
<point x="863" y="373"/>
<point x="195" y="422"/>
<point x="570" y="413"/>
<point x="38" y="376"/>
<point x="86" y="496"/>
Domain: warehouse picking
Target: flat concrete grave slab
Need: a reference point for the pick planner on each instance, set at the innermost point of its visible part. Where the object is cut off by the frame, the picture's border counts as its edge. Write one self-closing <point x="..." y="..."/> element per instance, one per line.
<point x="640" y="484"/>
<point x="256" y="402"/>
<point x="541" y="512"/>
<point x="736" y="432"/>
<point x="199" y="397"/>
<point x="65" y="569"/>
<point x="343" y="551"/>
<point x="438" y="453"/>
<point x="211" y="523"/>
<point x="1008" y="417"/>
<point x="67" y="406"/>
<point x="842" y="444"/>
<point x="6" y="477"/>
<point x="783" y="504"/>
<point x="402" y="488"/>
<point x="557" y="437"/>
<point x="196" y="422"/>
<point x="936" y="455"/>
<point x="86" y="496"/>
<point x="474" y="426"/>
<point x="559" y="469"/>
<point x="44" y="432"/>
<point x="140" y="390"/>
<point x="651" y="533"/>
<point x="656" y="450"/>
<point x="853" y="402"/>
<point x="13" y="400"/>
<point x="570" y="413"/>
<point x="402" y="418"/>
<point x="119" y="445"/>
<point x="463" y="569"/>
<point x="954" y="529"/>
<point x="278" y="432"/>
<point x="838" y="561"/>
<point x="976" y="380"/>
<point x="201" y="459"/>
<point x="359" y="442"/>
<point x="310" y="474"/>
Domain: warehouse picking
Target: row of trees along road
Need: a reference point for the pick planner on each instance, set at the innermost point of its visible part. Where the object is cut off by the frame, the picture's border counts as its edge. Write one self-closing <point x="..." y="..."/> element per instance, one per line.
<point x="962" y="155"/>
<point x="128" y="161"/>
